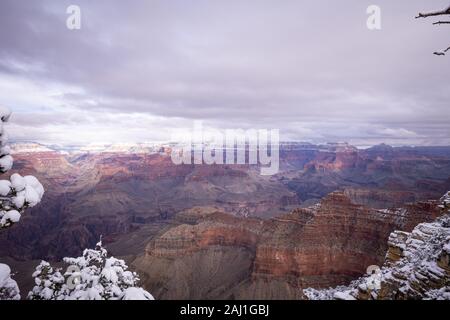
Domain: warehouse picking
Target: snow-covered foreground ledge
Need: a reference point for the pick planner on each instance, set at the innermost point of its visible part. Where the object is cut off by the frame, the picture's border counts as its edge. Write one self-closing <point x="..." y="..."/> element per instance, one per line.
<point x="417" y="266"/>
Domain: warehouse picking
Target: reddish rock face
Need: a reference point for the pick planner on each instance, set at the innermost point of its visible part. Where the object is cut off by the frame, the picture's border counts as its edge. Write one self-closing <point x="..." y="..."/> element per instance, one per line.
<point x="323" y="246"/>
<point x="111" y="194"/>
<point x="185" y="239"/>
<point x="384" y="176"/>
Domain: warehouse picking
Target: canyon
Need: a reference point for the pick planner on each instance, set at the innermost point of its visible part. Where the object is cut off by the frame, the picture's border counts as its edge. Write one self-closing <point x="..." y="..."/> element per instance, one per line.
<point x="215" y="255"/>
<point x="225" y="231"/>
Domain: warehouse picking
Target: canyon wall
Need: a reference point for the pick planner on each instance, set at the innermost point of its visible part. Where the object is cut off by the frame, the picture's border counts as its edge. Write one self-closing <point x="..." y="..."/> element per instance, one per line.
<point x="219" y="256"/>
<point x="416" y="266"/>
<point x="270" y="227"/>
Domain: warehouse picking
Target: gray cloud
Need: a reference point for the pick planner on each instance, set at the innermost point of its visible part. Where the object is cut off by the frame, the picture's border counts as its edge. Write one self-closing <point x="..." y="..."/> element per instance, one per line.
<point x="310" y="68"/>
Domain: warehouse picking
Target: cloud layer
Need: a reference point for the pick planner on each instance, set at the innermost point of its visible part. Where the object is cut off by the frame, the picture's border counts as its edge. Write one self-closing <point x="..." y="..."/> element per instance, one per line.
<point x="137" y="70"/>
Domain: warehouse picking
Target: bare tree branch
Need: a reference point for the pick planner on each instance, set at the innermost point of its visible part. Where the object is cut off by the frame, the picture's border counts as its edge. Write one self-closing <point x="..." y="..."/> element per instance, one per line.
<point x="434" y="13"/>
<point x="441" y="22"/>
<point x="441" y="53"/>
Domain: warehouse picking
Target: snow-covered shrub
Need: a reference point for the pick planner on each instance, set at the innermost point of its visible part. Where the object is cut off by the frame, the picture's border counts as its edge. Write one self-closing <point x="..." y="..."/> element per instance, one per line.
<point x="6" y="161"/>
<point x="93" y="276"/>
<point x="18" y="193"/>
<point x="8" y="287"/>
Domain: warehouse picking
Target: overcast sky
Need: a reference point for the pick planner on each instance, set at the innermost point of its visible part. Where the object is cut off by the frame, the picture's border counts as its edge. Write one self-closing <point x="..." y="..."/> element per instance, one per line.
<point x="137" y="70"/>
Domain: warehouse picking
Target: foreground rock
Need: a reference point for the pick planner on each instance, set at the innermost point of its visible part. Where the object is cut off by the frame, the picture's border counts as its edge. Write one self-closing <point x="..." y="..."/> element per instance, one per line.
<point x="417" y="266"/>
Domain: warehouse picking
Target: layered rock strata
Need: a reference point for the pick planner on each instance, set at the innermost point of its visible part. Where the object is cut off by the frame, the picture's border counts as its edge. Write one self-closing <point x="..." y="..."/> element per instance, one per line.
<point x="328" y="244"/>
<point x="417" y="266"/>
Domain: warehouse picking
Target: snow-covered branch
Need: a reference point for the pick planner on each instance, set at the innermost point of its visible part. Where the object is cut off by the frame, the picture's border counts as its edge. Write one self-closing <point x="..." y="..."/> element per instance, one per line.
<point x="18" y="193"/>
<point x="6" y="161"/>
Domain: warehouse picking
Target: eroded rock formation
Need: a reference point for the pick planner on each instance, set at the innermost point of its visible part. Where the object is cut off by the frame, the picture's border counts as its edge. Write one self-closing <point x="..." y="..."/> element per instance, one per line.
<point x="328" y="244"/>
<point x="417" y="266"/>
<point x="133" y="195"/>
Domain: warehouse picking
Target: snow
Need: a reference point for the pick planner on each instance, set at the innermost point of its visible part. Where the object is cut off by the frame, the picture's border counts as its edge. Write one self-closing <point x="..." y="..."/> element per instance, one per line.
<point x="110" y="275"/>
<point x="31" y="196"/>
<point x="29" y="148"/>
<point x="29" y="190"/>
<point x="37" y="186"/>
<point x="93" y="276"/>
<point x="136" y="294"/>
<point x="9" y="217"/>
<point x="18" y="182"/>
<point x="447" y="248"/>
<point x="438" y="294"/>
<point x="5" y="272"/>
<point x="8" y="287"/>
<point x="93" y="294"/>
<point x="5" y="187"/>
<point x="5" y="150"/>
<point x="343" y="296"/>
<point x="6" y="160"/>
<point x="13" y="216"/>
<point x="6" y="163"/>
<point x="5" y="113"/>
<point x="19" y="201"/>
<point x="20" y="192"/>
<point x="129" y="148"/>
<point x="17" y="194"/>
<point x="47" y="293"/>
<point x="4" y="137"/>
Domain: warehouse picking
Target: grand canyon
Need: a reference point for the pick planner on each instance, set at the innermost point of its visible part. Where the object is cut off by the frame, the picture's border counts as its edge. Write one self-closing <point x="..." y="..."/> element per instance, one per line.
<point x="224" y="150"/>
<point x="225" y="231"/>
